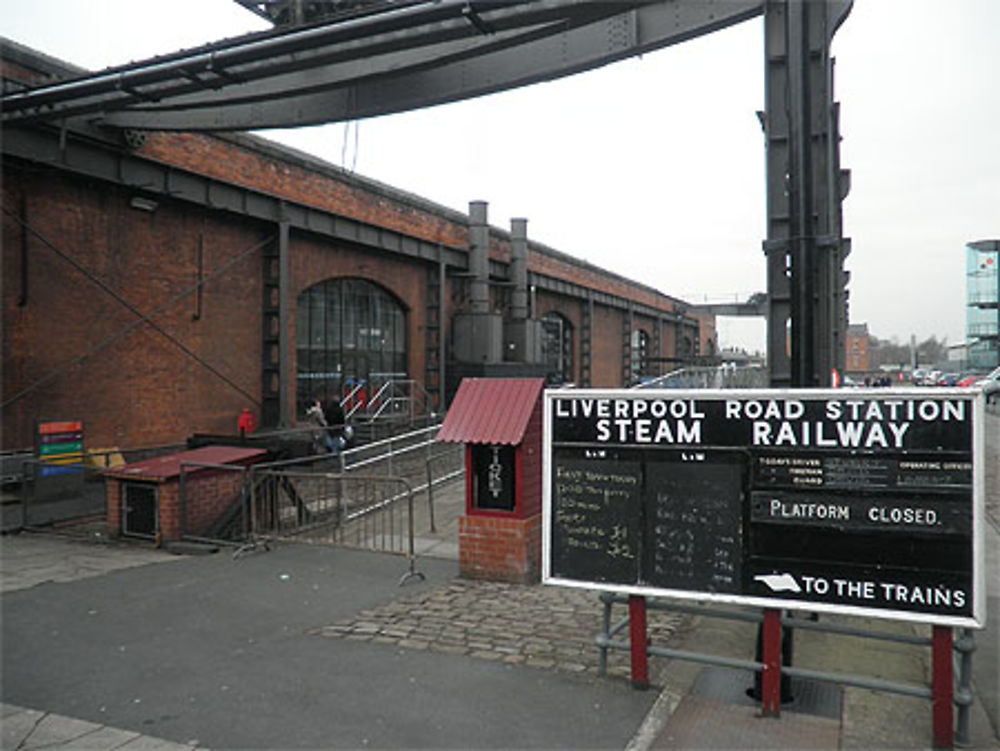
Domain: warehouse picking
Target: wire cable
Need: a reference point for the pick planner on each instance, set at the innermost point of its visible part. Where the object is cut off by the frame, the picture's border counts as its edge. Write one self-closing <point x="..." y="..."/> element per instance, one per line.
<point x="142" y="318"/>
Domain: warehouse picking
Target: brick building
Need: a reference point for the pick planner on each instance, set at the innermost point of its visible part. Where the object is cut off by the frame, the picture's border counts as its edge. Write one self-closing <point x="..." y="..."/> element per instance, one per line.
<point x="156" y="284"/>
<point x="858" y="343"/>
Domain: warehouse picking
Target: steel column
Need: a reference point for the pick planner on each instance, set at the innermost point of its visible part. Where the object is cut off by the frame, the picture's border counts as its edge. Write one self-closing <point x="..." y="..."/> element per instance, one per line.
<point x="807" y="303"/>
<point x="284" y="323"/>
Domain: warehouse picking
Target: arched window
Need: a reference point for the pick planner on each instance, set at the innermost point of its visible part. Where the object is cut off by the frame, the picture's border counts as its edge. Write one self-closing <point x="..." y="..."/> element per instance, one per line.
<point x="640" y="354"/>
<point x="349" y="331"/>
<point x="557" y="348"/>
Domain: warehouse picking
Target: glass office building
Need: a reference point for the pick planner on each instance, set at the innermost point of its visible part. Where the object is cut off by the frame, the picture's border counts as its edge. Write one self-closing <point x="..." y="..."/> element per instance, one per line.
<point x="982" y="318"/>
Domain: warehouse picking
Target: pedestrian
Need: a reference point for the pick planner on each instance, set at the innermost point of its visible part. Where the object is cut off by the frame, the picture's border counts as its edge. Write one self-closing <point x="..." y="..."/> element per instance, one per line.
<point x="334" y="414"/>
<point x="322" y="440"/>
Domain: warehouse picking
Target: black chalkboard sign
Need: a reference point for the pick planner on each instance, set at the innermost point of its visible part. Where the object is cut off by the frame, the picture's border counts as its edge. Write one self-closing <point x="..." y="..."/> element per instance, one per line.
<point x="596" y="515"/>
<point x="694" y="507"/>
<point x="864" y="502"/>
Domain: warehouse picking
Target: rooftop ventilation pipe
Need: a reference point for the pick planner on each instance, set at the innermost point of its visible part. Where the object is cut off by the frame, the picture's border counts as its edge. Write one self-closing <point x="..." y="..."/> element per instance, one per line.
<point x="519" y="269"/>
<point x="479" y="257"/>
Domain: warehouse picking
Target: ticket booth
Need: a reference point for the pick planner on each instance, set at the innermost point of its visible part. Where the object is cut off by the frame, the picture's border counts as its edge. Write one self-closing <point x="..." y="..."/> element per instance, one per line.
<point x="499" y="420"/>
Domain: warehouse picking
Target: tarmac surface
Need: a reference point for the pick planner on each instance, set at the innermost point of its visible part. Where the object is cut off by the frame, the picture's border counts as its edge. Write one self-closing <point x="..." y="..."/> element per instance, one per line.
<point x="114" y="645"/>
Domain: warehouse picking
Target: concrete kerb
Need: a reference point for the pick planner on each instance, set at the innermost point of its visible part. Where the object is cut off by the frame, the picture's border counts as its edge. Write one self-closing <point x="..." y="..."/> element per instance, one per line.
<point x="33" y="729"/>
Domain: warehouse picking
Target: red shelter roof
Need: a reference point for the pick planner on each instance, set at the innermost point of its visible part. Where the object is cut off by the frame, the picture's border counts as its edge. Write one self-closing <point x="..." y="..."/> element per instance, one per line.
<point x="166" y="467"/>
<point x="491" y="410"/>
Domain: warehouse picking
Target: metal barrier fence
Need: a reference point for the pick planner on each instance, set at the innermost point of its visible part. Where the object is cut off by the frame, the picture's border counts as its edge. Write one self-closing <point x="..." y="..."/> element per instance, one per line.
<point x="74" y="495"/>
<point x="201" y="523"/>
<point x="415" y="457"/>
<point x="363" y="497"/>
<point x="964" y="646"/>
<point x="369" y="512"/>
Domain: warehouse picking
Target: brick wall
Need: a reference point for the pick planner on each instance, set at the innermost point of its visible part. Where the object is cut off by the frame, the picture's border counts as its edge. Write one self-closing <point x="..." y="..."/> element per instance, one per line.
<point x="113" y="501"/>
<point x="606" y="342"/>
<point x="131" y="385"/>
<point x="500" y="549"/>
<point x="207" y="496"/>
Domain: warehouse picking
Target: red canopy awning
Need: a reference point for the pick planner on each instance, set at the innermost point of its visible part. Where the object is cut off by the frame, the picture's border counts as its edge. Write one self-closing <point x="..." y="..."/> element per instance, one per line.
<point x="492" y="410"/>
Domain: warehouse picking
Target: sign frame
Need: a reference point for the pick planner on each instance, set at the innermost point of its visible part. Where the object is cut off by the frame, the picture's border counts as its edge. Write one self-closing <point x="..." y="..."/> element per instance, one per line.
<point x="625" y="439"/>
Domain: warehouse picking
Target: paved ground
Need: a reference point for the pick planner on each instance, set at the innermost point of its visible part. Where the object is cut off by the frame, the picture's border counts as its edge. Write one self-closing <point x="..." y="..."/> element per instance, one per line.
<point x="312" y="647"/>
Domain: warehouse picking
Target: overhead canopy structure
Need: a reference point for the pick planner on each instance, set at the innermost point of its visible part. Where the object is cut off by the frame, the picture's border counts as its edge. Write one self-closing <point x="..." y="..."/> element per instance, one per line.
<point x="375" y="57"/>
<point x="394" y="57"/>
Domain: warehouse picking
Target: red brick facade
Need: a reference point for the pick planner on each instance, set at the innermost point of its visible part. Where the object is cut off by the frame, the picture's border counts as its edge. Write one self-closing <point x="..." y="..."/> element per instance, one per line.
<point x="104" y="319"/>
<point x="501" y="549"/>
<point x="207" y="496"/>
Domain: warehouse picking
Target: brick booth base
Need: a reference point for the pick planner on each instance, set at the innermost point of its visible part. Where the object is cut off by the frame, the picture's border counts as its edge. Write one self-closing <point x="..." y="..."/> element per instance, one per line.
<point x="500" y="549"/>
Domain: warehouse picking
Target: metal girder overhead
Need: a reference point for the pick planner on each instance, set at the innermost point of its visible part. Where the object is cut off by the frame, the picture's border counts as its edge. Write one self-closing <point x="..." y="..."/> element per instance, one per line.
<point x="385" y="61"/>
<point x="282" y="12"/>
<point x="391" y="58"/>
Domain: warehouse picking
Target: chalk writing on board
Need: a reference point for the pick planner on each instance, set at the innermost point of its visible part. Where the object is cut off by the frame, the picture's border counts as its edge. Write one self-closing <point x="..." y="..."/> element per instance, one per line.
<point x="595" y="529"/>
<point x="695" y="503"/>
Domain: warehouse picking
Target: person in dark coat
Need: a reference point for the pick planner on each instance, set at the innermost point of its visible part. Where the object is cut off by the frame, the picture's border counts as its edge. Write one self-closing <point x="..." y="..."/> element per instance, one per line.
<point x="335" y="420"/>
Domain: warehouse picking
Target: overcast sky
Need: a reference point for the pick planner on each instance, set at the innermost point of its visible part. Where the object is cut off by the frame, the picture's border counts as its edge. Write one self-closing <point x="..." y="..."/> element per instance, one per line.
<point x="654" y="167"/>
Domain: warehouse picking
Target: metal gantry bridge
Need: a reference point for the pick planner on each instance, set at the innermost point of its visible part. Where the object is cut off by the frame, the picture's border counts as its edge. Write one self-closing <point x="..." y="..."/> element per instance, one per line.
<point x="347" y="59"/>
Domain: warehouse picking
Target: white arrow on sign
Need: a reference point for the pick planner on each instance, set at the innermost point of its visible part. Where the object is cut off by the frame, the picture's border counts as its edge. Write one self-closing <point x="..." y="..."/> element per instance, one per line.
<point x="779" y="582"/>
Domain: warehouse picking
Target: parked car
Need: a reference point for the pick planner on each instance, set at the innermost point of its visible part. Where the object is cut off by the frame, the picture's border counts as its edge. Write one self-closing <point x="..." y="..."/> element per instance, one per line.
<point x="969" y="380"/>
<point x="992" y="378"/>
<point x="948" y="379"/>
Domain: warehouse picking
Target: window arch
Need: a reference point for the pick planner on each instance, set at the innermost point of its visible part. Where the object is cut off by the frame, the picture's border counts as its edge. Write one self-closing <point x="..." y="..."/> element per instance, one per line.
<point x="557" y="348"/>
<point x="349" y="331"/>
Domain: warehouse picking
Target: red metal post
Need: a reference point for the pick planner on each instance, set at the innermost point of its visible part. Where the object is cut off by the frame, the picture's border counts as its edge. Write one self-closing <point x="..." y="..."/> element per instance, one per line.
<point x="637" y="641"/>
<point x="770" y="693"/>
<point x="943" y="687"/>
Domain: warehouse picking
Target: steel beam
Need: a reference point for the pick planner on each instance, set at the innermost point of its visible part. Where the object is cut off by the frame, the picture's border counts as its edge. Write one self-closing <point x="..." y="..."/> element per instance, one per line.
<point x="391" y="61"/>
<point x="92" y="158"/>
<point x="579" y="292"/>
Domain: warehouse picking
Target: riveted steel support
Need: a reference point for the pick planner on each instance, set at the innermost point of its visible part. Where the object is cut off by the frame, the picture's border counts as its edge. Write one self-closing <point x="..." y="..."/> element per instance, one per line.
<point x="807" y="302"/>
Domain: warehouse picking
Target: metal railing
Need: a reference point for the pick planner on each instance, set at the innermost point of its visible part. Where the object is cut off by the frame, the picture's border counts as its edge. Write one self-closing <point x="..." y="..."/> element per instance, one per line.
<point x="49" y="498"/>
<point x="719" y="377"/>
<point x="396" y="399"/>
<point x="228" y="524"/>
<point x="414" y="456"/>
<point x="370" y="512"/>
<point x="964" y="647"/>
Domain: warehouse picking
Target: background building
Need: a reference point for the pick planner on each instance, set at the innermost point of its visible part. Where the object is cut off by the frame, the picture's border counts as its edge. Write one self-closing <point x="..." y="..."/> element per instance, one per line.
<point x="982" y="318"/>
<point x="156" y="284"/>
<point x="857" y="350"/>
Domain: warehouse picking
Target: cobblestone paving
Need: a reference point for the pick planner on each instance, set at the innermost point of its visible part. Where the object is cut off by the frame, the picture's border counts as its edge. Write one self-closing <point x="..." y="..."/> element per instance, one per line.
<point x="543" y="627"/>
